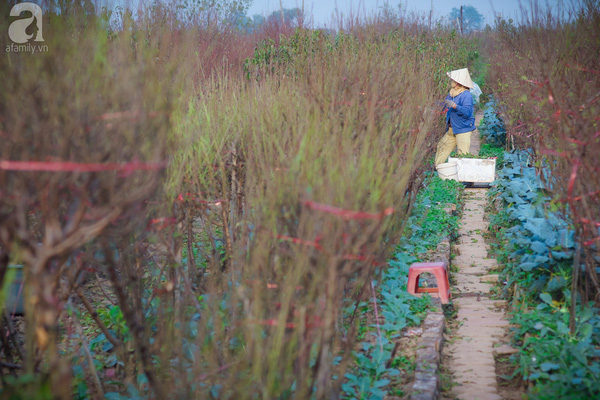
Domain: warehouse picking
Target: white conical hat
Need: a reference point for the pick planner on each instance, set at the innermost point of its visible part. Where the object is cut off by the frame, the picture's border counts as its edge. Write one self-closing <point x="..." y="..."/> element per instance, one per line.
<point x="461" y="76"/>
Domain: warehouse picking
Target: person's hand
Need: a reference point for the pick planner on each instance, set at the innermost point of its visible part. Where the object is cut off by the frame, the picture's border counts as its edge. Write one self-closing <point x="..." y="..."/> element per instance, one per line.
<point x="450" y="104"/>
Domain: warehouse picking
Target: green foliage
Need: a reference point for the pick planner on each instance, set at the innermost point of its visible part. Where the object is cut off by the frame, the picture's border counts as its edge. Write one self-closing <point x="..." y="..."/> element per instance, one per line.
<point x="113" y="318"/>
<point x="472" y="19"/>
<point x="492" y="129"/>
<point x="537" y="247"/>
<point x="6" y="290"/>
<point x="223" y="14"/>
<point x="558" y="364"/>
<point x="388" y="14"/>
<point x="479" y="73"/>
<point x="543" y="242"/>
<point x="491" y="126"/>
<point x="253" y="154"/>
<point x="399" y="308"/>
<point x="544" y="75"/>
<point x="370" y="375"/>
<point x="440" y="49"/>
<point x="490" y="151"/>
<point x="291" y="17"/>
<point x="429" y="223"/>
<point x="309" y="102"/>
<point x="26" y="386"/>
<point x="285" y="55"/>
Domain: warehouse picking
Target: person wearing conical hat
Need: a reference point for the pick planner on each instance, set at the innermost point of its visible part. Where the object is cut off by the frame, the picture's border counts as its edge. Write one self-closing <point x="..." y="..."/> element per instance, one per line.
<point x="460" y="121"/>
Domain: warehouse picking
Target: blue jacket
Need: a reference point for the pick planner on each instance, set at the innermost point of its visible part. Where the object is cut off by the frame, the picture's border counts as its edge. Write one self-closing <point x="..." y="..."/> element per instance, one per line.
<point x="462" y="119"/>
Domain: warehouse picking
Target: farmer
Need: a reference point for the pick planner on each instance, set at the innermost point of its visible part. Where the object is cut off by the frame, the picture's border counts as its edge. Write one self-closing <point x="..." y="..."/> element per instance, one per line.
<point x="460" y="122"/>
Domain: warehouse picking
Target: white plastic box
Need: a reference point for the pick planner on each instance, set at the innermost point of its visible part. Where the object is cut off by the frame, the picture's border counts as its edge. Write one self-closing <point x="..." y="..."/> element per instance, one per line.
<point x="475" y="170"/>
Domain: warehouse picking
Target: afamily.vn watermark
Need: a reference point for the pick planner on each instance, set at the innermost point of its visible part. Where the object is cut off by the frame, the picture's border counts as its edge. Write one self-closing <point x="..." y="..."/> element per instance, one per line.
<point x="26" y="48"/>
<point x="26" y="29"/>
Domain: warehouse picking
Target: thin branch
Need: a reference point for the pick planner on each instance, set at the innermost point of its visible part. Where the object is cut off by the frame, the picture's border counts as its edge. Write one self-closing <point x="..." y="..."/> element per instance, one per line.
<point x="82" y="234"/>
<point x="90" y="360"/>
<point x="102" y="289"/>
<point x="10" y="365"/>
<point x="13" y="335"/>
<point x="160" y="275"/>
<point x="115" y="342"/>
<point x="191" y="259"/>
<point x="77" y="216"/>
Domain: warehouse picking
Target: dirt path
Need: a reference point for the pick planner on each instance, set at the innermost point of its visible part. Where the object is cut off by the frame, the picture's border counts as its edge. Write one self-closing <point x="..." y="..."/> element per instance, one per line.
<point x="482" y="323"/>
<point x="470" y="352"/>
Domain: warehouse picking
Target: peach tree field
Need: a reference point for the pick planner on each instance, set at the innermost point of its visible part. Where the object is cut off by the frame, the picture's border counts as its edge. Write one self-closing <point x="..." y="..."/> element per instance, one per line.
<point x="201" y="211"/>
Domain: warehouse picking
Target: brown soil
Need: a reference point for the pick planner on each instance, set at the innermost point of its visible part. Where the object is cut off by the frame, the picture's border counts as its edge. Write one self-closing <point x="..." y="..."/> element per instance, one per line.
<point x="509" y="389"/>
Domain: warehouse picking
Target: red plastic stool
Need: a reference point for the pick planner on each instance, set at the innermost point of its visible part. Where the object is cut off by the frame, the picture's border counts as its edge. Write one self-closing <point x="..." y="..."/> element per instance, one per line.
<point x="437" y="269"/>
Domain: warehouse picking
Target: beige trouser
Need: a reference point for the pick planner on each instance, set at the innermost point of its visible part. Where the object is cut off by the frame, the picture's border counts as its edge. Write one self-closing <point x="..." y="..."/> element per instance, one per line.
<point x="448" y="142"/>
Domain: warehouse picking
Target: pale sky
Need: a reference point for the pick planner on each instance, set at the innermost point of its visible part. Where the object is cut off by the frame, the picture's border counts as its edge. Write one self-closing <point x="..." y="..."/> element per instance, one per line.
<point x="323" y="10"/>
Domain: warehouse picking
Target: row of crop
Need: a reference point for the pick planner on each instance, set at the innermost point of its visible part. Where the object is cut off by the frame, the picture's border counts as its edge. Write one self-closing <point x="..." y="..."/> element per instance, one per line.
<point x="439" y="50"/>
<point x="293" y="186"/>
<point x="378" y="371"/>
<point x="544" y="74"/>
<point x="557" y="336"/>
<point x="311" y="167"/>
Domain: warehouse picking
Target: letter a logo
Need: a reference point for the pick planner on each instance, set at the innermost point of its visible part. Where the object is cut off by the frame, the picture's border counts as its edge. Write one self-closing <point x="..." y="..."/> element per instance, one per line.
<point x="17" y="30"/>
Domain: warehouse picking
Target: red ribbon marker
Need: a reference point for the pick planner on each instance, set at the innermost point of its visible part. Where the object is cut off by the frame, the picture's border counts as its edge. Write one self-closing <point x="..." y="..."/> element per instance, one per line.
<point x="69" y="166"/>
<point x="314" y="244"/>
<point x="348" y="214"/>
<point x="317" y="246"/>
<point x="126" y="114"/>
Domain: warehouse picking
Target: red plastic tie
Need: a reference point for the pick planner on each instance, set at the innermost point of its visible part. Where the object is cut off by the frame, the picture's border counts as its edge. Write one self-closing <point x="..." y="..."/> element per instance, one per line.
<point x="314" y="244"/>
<point x="572" y="181"/>
<point x="348" y="214"/>
<point x="69" y="166"/>
<point x="126" y="114"/>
